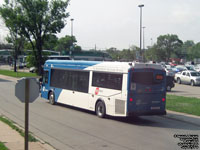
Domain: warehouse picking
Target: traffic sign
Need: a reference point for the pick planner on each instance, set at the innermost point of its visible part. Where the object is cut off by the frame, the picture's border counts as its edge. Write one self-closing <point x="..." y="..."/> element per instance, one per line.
<point x="27" y="88"/>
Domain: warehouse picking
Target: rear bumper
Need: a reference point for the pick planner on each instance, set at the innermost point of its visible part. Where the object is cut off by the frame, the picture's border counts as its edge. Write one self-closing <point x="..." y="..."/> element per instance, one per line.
<point x="146" y="113"/>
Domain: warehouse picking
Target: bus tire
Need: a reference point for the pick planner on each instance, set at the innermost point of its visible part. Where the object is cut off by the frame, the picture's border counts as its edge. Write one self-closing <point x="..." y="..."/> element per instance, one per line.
<point x="52" y="98"/>
<point x="100" y="109"/>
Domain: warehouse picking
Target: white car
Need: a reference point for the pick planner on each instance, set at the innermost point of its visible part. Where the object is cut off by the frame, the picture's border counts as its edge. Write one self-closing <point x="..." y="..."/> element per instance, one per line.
<point x="32" y="69"/>
<point x="188" y="77"/>
<point x="197" y="68"/>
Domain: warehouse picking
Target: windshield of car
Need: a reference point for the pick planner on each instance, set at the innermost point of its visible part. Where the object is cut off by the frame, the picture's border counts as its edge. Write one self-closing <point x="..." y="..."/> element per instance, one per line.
<point x="189" y="67"/>
<point x="180" y="68"/>
<point x="195" y="74"/>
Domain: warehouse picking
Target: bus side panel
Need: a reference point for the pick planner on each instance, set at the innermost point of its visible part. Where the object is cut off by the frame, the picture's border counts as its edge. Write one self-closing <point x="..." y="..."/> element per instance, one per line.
<point x="115" y="100"/>
<point x="74" y="98"/>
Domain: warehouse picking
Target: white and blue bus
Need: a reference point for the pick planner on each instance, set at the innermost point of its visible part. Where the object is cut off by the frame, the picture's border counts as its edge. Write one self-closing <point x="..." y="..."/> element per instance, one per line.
<point x="107" y="88"/>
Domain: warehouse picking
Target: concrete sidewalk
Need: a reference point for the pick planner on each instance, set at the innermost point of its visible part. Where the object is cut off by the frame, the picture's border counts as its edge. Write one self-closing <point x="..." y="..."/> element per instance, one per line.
<point x="14" y="141"/>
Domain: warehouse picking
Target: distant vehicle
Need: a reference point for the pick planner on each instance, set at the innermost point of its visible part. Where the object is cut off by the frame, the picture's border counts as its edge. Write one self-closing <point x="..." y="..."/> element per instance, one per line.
<point x="169" y="77"/>
<point x="107" y="88"/>
<point x="170" y="72"/>
<point x="197" y="68"/>
<point x="169" y="82"/>
<point x="59" y="57"/>
<point x="172" y="64"/>
<point x="190" y="67"/>
<point x="180" y="68"/>
<point x="32" y="69"/>
<point x="188" y="77"/>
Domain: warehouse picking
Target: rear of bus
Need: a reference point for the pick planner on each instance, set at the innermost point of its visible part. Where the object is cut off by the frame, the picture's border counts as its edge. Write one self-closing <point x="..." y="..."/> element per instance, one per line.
<point x="146" y="90"/>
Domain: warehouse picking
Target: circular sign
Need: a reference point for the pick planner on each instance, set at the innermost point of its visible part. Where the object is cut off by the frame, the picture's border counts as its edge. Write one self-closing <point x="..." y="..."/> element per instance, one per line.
<point x="97" y="91"/>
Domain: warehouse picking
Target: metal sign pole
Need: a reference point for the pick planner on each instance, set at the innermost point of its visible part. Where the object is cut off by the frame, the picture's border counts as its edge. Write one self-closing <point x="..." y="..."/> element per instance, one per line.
<point x="26" y="90"/>
<point x="26" y="113"/>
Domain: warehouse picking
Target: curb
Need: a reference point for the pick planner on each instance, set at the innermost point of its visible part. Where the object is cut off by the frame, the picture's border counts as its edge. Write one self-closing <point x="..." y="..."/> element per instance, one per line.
<point x="187" y="118"/>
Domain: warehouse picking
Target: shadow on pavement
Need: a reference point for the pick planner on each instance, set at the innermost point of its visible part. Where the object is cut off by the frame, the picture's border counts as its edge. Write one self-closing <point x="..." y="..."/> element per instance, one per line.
<point x="148" y="121"/>
<point x="174" y="91"/>
<point x="2" y="80"/>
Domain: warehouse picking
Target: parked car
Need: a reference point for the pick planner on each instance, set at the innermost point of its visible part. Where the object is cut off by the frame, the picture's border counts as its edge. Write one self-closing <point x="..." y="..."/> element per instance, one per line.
<point x="169" y="82"/>
<point x="170" y="72"/>
<point x="188" y="77"/>
<point x="190" y="67"/>
<point x="180" y="68"/>
<point x="197" y="68"/>
<point x="169" y="77"/>
<point x="32" y="69"/>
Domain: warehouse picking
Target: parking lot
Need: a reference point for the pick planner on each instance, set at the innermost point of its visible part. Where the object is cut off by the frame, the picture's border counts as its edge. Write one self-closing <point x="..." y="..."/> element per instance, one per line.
<point x="8" y="67"/>
<point x="186" y="90"/>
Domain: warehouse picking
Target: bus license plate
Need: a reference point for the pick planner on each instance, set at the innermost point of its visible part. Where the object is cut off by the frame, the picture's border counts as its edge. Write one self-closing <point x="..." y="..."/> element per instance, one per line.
<point x="155" y="108"/>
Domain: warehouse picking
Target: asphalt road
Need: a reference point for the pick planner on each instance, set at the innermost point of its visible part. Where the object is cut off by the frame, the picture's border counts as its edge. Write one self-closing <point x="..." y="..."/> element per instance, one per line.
<point x="67" y="128"/>
<point x="186" y="90"/>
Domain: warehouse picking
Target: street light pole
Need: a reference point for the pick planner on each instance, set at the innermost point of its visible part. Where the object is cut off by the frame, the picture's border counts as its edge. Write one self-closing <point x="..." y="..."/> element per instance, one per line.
<point x="143" y="45"/>
<point x="72" y="27"/>
<point x="72" y="47"/>
<point x="143" y="38"/>
<point x="141" y="30"/>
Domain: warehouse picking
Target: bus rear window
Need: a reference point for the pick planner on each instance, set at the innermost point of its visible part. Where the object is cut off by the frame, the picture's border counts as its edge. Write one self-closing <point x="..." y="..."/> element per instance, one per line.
<point x="142" y="78"/>
<point x="146" y="78"/>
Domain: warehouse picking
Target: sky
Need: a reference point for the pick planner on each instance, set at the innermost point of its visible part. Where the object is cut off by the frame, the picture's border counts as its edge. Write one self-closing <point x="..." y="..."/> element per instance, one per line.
<point x="116" y="23"/>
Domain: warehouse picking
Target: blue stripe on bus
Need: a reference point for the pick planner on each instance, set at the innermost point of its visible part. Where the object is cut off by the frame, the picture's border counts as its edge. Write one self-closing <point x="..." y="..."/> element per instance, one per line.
<point x="70" y="64"/>
<point x="57" y="92"/>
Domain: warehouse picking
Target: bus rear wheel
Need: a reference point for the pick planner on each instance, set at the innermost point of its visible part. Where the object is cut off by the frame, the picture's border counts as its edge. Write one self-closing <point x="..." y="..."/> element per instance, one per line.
<point x="52" y="98"/>
<point x="100" y="109"/>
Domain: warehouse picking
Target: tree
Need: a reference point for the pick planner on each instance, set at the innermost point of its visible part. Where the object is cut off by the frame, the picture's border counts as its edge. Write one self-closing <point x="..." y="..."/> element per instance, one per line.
<point x="186" y="48"/>
<point x="35" y="19"/>
<point x="194" y="51"/>
<point x="65" y="43"/>
<point x="114" y="53"/>
<point x="166" y="46"/>
<point x="18" y="44"/>
<point x="50" y="42"/>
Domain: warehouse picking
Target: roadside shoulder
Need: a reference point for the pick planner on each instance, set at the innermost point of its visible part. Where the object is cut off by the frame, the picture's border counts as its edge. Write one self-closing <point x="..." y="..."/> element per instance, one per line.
<point x="9" y="78"/>
<point x="183" y="117"/>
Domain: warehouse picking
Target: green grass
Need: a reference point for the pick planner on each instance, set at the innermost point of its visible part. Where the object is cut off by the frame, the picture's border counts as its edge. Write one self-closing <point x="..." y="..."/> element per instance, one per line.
<point x="187" y="105"/>
<point x="20" y="131"/>
<point x="17" y="74"/>
<point x="2" y="146"/>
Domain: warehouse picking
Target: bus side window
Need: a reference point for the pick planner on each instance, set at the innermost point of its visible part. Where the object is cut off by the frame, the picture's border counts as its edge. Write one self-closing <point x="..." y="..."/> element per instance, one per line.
<point x="107" y="80"/>
<point x="45" y="77"/>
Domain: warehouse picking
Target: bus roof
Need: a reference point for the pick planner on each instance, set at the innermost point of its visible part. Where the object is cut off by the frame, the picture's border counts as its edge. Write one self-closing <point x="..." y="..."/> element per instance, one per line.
<point x="105" y="66"/>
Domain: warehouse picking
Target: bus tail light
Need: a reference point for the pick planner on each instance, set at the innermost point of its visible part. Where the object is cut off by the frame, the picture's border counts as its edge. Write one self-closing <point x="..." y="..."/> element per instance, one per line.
<point x="130" y="99"/>
<point x="163" y="99"/>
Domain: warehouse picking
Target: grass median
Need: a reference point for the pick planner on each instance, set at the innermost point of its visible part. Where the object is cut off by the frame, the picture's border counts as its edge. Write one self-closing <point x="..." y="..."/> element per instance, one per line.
<point x="188" y="105"/>
<point x="2" y="146"/>
<point x="17" y="74"/>
<point x="20" y="131"/>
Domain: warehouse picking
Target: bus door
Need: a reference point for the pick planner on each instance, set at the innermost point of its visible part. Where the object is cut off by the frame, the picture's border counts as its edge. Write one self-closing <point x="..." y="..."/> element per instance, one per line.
<point x="146" y="92"/>
<point x="45" y="84"/>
